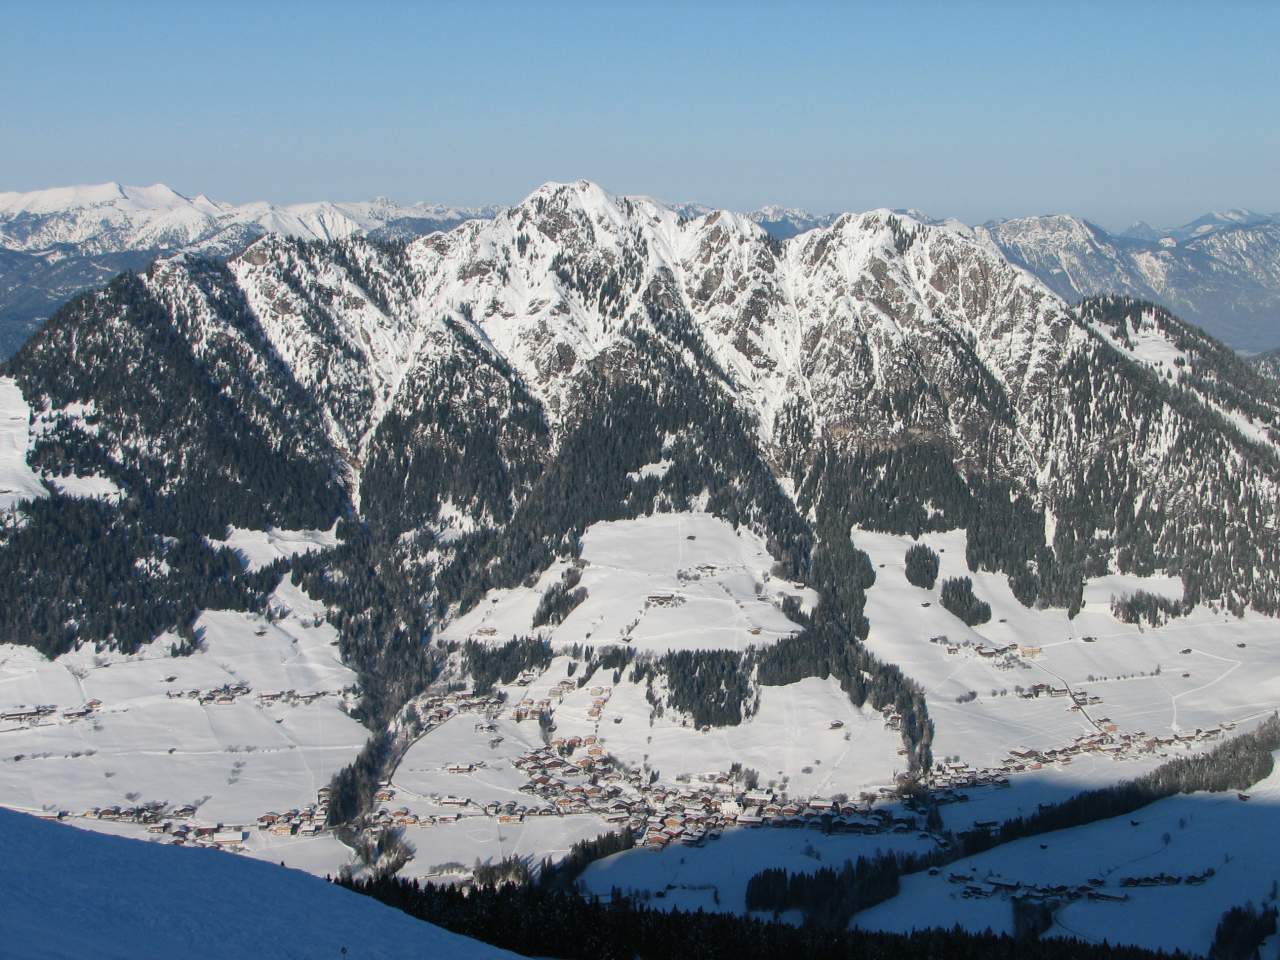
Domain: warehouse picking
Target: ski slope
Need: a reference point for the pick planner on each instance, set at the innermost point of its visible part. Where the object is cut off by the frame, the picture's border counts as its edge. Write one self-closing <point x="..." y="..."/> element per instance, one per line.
<point x="79" y="894"/>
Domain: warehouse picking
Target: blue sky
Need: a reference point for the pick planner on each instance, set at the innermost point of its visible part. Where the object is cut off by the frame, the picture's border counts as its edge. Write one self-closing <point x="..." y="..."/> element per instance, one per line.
<point x="1116" y="111"/>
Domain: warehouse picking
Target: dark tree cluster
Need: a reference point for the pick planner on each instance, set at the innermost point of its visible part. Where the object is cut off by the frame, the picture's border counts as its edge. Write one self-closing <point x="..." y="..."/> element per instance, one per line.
<point x="957" y="596"/>
<point x="922" y="566"/>
<point x="1142" y="606"/>
<point x="563" y="874"/>
<point x="560" y="598"/>
<point x="1241" y="932"/>
<point x="79" y="571"/>
<point x="352" y="788"/>
<point x="828" y="897"/>
<point x="1235" y="764"/>
<point x="712" y="686"/>
<point x="489" y="664"/>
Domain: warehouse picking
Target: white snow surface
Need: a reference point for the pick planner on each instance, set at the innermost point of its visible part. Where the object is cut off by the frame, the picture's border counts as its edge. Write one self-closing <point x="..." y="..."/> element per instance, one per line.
<point x="670" y="581"/>
<point x="261" y="548"/>
<point x="1224" y="682"/>
<point x="1180" y="836"/>
<point x="109" y="217"/>
<point x="714" y="877"/>
<point x="235" y="760"/>
<point x="17" y="480"/>
<point x="71" y="894"/>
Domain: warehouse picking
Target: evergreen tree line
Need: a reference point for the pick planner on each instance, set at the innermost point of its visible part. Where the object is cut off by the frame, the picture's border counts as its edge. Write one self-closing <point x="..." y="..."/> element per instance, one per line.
<point x="563" y="874"/>
<point x="712" y="686"/>
<point x="76" y="570"/>
<point x="488" y="664"/>
<point x="1241" y="932"/>
<point x="545" y="922"/>
<point x="352" y="788"/>
<point x="1151" y="607"/>
<point x="560" y="598"/>
<point x="828" y="897"/>
<point x="1235" y="764"/>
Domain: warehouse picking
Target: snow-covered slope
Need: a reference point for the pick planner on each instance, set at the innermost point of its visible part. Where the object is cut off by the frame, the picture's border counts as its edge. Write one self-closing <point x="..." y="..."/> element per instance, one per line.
<point x="1226" y="841"/>
<point x="69" y="893"/>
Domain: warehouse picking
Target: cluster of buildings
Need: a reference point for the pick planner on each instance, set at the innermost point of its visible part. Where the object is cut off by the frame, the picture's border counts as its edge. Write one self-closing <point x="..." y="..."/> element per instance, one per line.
<point x="227" y="693"/>
<point x="993" y="886"/>
<point x="1168" y="879"/>
<point x="38" y="712"/>
<point x="307" y="821"/>
<point x="973" y="888"/>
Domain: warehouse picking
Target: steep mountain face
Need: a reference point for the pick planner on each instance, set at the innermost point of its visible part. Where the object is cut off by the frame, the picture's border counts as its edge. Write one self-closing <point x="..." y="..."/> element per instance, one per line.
<point x="1267" y="364"/>
<point x="1221" y="272"/>
<point x="467" y="403"/>
<point x="54" y="243"/>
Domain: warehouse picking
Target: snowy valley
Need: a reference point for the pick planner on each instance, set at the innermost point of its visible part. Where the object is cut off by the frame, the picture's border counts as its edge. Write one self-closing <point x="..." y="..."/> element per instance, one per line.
<point x="444" y="557"/>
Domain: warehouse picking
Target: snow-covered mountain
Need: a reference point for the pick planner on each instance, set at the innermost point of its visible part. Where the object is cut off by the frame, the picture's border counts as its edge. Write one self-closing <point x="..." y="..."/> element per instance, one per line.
<point x="857" y="342"/>
<point x="1221" y="271"/>
<point x="684" y="450"/>
<point x="111" y="218"/>
<point x="56" y="242"/>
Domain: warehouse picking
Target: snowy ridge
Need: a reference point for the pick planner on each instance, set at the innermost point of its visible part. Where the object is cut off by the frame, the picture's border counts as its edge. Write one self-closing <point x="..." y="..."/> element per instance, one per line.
<point x="109" y="217"/>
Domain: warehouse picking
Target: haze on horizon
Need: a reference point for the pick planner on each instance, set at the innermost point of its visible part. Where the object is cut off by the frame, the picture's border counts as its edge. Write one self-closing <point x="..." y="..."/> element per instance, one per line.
<point x="976" y="111"/>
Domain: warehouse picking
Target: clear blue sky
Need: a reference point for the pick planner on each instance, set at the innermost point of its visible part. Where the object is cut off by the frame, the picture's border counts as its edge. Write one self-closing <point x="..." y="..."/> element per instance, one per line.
<point x="1116" y="111"/>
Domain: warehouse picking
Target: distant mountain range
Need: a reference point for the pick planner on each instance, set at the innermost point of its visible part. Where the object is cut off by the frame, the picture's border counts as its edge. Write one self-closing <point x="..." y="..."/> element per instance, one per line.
<point x="1221" y="271"/>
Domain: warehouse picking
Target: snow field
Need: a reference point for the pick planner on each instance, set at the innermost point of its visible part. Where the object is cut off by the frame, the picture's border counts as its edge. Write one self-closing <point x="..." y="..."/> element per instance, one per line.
<point x="715" y="876"/>
<point x="671" y="581"/>
<point x="79" y="894"/>
<point x="789" y="739"/>
<point x="17" y="480"/>
<point x="261" y="548"/>
<point x="1181" y="836"/>
<point x="1232" y="669"/>
<point x="236" y="759"/>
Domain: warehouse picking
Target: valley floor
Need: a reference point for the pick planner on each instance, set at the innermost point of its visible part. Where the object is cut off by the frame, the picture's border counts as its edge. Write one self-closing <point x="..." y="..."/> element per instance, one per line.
<point x="234" y="745"/>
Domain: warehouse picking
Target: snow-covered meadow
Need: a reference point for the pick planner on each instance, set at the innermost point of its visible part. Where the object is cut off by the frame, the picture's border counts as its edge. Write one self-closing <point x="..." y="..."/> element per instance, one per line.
<point x="671" y="581"/>
<point x="148" y="739"/>
<point x="1181" y="837"/>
